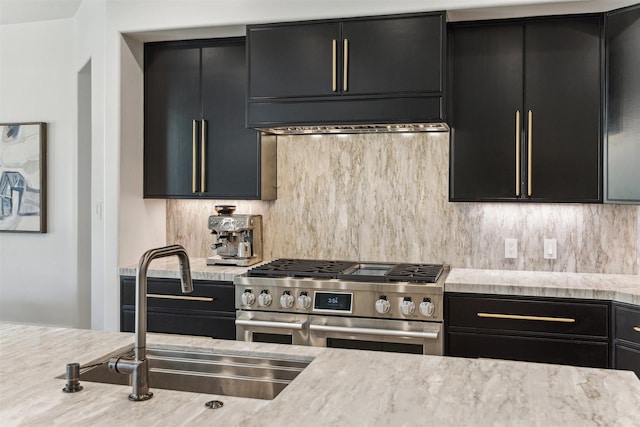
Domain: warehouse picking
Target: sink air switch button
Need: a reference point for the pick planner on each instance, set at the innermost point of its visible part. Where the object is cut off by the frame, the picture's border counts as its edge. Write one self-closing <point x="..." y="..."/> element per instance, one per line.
<point x="73" y="378"/>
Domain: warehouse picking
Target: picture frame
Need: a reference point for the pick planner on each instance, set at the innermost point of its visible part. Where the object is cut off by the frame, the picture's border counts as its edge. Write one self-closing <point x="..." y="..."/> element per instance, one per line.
<point x="23" y="177"/>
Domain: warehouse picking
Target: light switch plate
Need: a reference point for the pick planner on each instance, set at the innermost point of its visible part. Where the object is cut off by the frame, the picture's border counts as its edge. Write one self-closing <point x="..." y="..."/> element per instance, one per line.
<point x="511" y="248"/>
<point x="550" y="249"/>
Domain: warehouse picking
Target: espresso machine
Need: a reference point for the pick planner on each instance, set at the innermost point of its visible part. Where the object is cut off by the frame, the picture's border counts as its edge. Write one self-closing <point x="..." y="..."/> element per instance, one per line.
<point x="238" y="238"/>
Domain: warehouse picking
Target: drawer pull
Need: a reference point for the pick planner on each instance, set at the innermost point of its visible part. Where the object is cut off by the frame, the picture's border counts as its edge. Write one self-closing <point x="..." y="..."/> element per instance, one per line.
<point x="194" y="130"/>
<point x="345" y="78"/>
<point x="517" y="153"/>
<point x="181" y="297"/>
<point x="203" y="158"/>
<point x="636" y="328"/>
<point x="522" y="317"/>
<point x="530" y="155"/>
<point x="334" y="61"/>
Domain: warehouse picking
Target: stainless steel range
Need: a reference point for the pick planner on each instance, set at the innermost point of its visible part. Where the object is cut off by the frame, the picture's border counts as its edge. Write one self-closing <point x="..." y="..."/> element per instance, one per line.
<point x="343" y="304"/>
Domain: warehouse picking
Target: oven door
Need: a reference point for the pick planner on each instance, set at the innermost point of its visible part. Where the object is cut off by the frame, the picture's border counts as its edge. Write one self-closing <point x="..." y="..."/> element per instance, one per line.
<point x="278" y="328"/>
<point x="376" y="334"/>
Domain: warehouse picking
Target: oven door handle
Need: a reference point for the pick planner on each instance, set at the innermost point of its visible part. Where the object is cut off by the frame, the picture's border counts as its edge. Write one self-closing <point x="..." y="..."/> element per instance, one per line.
<point x="265" y="324"/>
<point x="380" y="332"/>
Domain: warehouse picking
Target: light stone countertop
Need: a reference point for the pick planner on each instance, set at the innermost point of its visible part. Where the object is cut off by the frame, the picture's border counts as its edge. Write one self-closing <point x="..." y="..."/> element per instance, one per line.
<point x="614" y="287"/>
<point x="169" y="268"/>
<point x="339" y="388"/>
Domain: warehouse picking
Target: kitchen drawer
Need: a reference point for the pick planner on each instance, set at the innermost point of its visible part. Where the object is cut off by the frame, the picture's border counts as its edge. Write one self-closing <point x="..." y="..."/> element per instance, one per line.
<point x="530" y="349"/>
<point x="215" y="325"/>
<point x="627" y="323"/>
<point x="166" y="293"/>
<point x="627" y="358"/>
<point x="528" y="316"/>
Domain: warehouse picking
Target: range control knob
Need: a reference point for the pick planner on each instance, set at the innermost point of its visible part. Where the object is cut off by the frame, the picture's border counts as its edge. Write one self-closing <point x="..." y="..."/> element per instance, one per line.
<point x="264" y="299"/>
<point x="248" y="298"/>
<point x="383" y="305"/>
<point x="426" y="307"/>
<point x="407" y="307"/>
<point x="304" y="301"/>
<point x="286" y="300"/>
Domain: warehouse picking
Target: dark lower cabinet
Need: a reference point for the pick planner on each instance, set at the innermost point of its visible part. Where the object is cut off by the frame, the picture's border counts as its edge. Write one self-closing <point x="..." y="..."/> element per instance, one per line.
<point x="627" y="358"/>
<point x="530" y="349"/>
<point x="626" y="338"/>
<point x="208" y="311"/>
<point x="548" y="330"/>
<point x="185" y="323"/>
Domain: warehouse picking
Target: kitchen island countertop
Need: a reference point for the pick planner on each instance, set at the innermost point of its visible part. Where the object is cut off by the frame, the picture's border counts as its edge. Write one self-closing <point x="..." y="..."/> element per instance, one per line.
<point x="340" y="387"/>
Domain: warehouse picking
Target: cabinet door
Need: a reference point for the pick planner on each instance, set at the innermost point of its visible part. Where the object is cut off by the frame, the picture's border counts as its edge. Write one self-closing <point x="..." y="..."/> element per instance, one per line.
<point x="527" y="316"/>
<point x="487" y="85"/>
<point x="171" y="103"/>
<point x="206" y="295"/>
<point x="627" y="323"/>
<point x="393" y="55"/>
<point x="563" y="93"/>
<point x="215" y="325"/>
<point x="627" y="358"/>
<point x="623" y="106"/>
<point x="232" y="150"/>
<point x="530" y="349"/>
<point x="293" y="60"/>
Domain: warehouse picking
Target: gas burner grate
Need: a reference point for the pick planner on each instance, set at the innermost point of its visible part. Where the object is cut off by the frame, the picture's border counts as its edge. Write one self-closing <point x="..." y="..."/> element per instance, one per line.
<point x="301" y="268"/>
<point x="428" y="273"/>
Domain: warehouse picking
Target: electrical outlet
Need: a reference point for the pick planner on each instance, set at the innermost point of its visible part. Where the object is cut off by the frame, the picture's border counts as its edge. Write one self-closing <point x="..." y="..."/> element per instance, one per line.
<point x="511" y="248"/>
<point x="550" y="249"/>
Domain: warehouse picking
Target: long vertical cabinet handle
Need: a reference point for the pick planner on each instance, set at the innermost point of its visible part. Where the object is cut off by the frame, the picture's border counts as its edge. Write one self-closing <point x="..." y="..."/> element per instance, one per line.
<point x="345" y="86"/>
<point x="334" y="65"/>
<point x="518" y="153"/>
<point x="203" y="158"/>
<point x="194" y="151"/>
<point x="529" y="151"/>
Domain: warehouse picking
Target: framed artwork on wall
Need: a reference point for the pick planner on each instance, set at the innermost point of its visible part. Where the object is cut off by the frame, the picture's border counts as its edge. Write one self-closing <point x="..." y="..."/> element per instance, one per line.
<point x="23" y="177"/>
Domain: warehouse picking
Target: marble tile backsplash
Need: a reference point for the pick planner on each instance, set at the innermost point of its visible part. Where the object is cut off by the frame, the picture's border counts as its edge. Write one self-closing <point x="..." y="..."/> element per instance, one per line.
<point x="385" y="198"/>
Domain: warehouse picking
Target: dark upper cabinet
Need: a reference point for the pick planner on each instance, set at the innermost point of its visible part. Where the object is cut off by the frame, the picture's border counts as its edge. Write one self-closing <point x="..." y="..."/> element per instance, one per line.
<point x="171" y="103"/>
<point x="362" y="70"/>
<point x="622" y="181"/>
<point x="196" y="142"/>
<point x="292" y="60"/>
<point x="387" y="56"/>
<point x="526" y="110"/>
<point x="487" y="76"/>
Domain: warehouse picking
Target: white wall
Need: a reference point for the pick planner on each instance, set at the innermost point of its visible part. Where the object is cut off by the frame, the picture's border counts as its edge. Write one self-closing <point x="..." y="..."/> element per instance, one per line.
<point x="37" y="83"/>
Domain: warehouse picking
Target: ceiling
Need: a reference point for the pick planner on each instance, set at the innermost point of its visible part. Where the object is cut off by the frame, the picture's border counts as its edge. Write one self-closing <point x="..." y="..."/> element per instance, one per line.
<point x="22" y="11"/>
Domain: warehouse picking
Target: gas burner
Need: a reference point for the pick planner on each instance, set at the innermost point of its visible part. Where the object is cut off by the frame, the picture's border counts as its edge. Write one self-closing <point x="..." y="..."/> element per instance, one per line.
<point x="301" y="268"/>
<point x="428" y="273"/>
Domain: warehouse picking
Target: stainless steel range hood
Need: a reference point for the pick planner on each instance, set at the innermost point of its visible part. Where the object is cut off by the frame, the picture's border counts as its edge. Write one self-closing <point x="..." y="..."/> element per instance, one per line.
<point x="359" y="128"/>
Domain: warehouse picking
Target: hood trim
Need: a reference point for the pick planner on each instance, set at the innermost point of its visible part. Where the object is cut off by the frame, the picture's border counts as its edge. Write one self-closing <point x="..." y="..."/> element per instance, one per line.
<point x="355" y="129"/>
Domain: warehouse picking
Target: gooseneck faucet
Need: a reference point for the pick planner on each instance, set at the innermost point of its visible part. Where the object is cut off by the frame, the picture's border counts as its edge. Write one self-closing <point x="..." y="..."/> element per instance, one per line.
<point x="138" y="368"/>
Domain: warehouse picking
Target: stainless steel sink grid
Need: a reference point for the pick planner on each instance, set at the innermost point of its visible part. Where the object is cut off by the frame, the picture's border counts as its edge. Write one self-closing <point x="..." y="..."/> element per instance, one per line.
<point x="200" y="371"/>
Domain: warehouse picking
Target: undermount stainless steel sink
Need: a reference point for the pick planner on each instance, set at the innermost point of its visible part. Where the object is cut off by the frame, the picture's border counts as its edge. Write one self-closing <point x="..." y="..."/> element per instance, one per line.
<point x="199" y="371"/>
